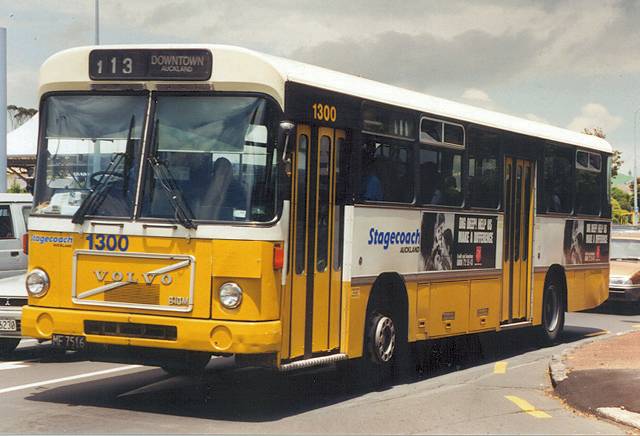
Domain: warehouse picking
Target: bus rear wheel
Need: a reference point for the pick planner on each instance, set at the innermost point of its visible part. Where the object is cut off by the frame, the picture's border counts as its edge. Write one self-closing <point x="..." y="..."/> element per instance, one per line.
<point x="552" y="314"/>
<point x="7" y="345"/>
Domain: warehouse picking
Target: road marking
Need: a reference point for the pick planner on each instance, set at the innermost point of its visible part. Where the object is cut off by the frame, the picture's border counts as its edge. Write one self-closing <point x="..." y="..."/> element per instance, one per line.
<point x="500" y="367"/>
<point x="64" y="379"/>
<point x="12" y="365"/>
<point x="527" y="407"/>
<point x="598" y="333"/>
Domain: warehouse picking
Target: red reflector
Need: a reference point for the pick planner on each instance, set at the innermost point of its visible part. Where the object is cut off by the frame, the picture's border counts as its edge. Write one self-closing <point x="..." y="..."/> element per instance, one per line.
<point x="278" y="257"/>
<point x="25" y="243"/>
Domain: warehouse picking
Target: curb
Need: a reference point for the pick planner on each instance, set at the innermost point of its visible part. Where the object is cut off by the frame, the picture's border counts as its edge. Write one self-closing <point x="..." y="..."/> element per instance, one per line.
<point x="558" y="373"/>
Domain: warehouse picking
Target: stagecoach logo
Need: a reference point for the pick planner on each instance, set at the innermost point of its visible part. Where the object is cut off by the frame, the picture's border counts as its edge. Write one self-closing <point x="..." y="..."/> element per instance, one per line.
<point x="117" y="279"/>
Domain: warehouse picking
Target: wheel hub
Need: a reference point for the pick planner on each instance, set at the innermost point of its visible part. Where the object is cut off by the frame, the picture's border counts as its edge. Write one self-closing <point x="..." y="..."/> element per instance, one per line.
<point x="385" y="339"/>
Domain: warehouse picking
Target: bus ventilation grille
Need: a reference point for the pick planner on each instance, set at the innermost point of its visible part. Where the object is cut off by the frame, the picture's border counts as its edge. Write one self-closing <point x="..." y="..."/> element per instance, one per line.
<point x="131" y="330"/>
<point x="135" y="294"/>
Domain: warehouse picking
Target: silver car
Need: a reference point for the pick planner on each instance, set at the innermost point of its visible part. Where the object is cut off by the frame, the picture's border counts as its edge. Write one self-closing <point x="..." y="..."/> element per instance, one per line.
<point x="14" y="210"/>
<point x="13" y="296"/>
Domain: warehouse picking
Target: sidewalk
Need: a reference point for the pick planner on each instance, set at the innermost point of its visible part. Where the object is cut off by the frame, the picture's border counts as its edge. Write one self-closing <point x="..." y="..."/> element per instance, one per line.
<point x="602" y="377"/>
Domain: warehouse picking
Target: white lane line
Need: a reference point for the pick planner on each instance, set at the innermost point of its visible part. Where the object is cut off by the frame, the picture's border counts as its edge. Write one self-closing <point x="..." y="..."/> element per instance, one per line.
<point x="65" y="379"/>
<point x="12" y="365"/>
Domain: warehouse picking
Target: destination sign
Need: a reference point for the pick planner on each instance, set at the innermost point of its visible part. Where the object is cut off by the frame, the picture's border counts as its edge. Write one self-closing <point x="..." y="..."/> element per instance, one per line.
<point x="150" y="64"/>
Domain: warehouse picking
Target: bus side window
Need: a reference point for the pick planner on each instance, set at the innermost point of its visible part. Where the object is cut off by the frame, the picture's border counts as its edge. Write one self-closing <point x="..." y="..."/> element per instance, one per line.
<point x="483" y="182"/>
<point x="557" y="178"/>
<point x="386" y="172"/>
<point x="440" y="177"/>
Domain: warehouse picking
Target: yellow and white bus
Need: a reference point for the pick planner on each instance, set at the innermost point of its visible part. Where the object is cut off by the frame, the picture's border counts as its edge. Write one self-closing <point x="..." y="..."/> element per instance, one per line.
<point x="202" y="200"/>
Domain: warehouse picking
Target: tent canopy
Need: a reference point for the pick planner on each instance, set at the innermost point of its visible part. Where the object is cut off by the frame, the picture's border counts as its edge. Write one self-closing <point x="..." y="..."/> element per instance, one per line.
<point x="23" y="141"/>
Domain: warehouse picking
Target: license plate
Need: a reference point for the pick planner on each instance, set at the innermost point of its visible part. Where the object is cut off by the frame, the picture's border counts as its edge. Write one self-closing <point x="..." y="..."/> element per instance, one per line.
<point x="8" y="325"/>
<point x="68" y="342"/>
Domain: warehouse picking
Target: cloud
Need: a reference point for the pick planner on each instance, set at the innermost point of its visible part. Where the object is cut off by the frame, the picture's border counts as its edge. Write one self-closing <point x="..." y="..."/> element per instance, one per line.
<point x="476" y="95"/>
<point x="534" y="117"/>
<point x="595" y="115"/>
<point x="420" y="61"/>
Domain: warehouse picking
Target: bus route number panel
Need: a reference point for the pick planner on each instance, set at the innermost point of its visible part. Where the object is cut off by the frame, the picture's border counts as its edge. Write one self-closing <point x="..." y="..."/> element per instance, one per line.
<point x="150" y="64"/>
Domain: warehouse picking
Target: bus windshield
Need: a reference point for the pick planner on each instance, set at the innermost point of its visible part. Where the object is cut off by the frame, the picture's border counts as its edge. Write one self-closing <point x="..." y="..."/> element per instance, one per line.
<point x="218" y="152"/>
<point x="85" y="139"/>
<point x="209" y="158"/>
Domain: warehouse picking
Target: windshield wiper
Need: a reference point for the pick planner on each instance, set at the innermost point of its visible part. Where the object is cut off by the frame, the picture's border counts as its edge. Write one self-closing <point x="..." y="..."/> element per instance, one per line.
<point x="183" y="213"/>
<point x="97" y="195"/>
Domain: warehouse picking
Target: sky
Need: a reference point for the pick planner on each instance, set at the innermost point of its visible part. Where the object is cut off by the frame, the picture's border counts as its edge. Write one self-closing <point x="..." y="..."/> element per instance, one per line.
<point x="570" y="63"/>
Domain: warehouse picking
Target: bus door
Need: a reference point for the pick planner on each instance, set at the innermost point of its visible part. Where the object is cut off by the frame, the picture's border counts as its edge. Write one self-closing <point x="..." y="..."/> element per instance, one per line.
<point x="316" y="235"/>
<point x="518" y="227"/>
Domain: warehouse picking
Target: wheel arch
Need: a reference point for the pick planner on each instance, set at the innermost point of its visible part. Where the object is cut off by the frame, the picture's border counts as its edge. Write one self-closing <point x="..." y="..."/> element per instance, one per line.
<point x="389" y="290"/>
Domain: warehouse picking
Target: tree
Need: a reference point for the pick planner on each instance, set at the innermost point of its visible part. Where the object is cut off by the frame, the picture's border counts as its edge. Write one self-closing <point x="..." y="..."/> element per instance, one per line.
<point x="20" y="115"/>
<point x="616" y="159"/>
<point x="624" y="199"/>
<point x="616" y="162"/>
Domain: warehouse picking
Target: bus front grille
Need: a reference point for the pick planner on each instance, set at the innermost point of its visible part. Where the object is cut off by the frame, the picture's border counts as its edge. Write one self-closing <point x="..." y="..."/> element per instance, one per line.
<point x="131" y="330"/>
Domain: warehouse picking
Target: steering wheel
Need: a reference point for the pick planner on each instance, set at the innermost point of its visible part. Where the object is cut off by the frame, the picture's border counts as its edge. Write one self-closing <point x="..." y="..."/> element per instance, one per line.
<point x="94" y="178"/>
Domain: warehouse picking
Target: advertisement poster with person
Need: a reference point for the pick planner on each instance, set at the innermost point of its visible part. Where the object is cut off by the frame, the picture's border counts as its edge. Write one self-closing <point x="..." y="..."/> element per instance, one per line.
<point x="454" y="241"/>
<point x="585" y="242"/>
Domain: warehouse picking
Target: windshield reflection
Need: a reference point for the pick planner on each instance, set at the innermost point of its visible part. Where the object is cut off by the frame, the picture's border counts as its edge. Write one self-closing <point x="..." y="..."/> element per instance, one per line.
<point x="83" y="136"/>
<point x="219" y="151"/>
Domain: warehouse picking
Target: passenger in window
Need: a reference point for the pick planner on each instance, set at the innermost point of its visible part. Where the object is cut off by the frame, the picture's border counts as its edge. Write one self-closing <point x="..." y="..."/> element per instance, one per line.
<point x="451" y="192"/>
<point x="225" y="199"/>
<point x="430" y="186"/>
<point x="371" y="184"/>
<point x="556" y="201"/>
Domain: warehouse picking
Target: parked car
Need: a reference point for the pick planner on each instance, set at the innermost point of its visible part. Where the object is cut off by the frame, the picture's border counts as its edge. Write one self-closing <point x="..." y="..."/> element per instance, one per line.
<point x="624" y="276"/>
<point x="13" y="295"/>
<point x="14" y="210"/>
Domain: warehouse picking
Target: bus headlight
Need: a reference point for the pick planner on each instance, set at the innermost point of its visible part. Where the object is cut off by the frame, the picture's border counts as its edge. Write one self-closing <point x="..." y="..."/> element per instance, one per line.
<point x="37" y="283"/>
<point x="230" y="295"/>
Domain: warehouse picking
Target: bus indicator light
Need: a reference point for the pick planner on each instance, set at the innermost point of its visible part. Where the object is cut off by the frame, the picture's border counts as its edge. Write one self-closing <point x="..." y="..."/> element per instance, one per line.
<point x="278" y="257"/>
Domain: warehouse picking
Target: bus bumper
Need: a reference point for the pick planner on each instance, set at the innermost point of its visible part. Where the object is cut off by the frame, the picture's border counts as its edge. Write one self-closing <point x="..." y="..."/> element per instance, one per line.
<point x="233" y="337"/>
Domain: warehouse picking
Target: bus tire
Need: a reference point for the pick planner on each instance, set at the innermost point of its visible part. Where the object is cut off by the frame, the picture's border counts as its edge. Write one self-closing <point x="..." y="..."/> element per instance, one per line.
<point x="380" y="347"/>
<point x="552" y="314"/>
<point x="192" y="364"/>
<point x="7" y="345"/>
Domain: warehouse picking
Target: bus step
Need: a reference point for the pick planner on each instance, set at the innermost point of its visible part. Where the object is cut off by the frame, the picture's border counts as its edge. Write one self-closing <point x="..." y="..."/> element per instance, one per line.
<point x="314" y="361"/>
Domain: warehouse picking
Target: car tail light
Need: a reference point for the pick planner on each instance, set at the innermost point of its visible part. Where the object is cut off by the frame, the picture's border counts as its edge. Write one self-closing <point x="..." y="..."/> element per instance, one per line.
<point x="278" y="257"/>
<point x="25" y="243"/>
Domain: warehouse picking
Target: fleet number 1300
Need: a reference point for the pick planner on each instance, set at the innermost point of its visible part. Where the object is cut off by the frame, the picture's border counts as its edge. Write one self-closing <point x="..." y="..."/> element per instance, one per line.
<point x="324" y="112"/>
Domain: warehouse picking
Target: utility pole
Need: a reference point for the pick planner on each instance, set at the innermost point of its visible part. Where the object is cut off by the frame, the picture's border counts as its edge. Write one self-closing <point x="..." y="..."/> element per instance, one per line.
<point x="635" y="172"/>
<point x="97" y="23"/>
<point x="3" y="109"/>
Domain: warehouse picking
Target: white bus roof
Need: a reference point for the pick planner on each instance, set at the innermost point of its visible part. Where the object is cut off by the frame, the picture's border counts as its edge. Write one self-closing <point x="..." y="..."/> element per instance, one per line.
<point x="236" y="68"/>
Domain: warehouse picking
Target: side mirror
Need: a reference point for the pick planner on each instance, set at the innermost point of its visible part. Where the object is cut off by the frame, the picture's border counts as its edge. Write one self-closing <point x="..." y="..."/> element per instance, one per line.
<point x="285" y="130"/>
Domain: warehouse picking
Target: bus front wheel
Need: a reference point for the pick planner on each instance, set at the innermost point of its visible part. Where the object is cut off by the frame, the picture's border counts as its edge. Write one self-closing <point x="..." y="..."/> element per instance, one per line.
<point x="552" y="314"/>
<point x="380" y="347"/>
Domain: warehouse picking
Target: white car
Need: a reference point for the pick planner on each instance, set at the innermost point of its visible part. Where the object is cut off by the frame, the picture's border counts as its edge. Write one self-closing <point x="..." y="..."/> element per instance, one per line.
<point x="13" y="296"/>
<point x="14" y="210"/>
